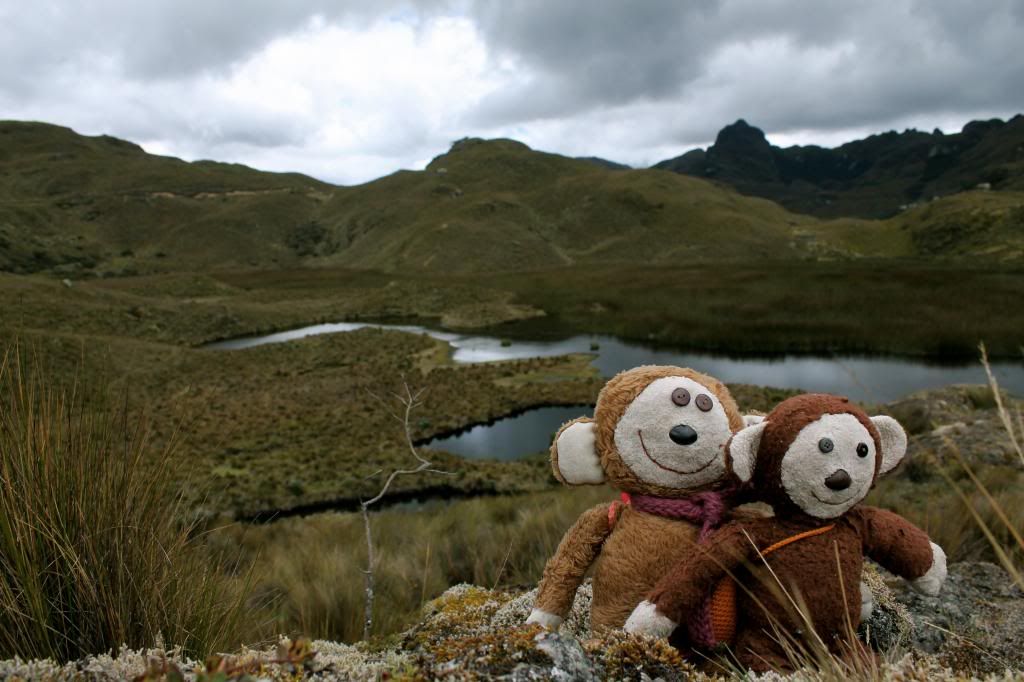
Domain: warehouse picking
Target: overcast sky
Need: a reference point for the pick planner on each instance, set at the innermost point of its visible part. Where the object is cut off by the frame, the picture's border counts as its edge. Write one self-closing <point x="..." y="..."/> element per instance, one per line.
<point x="347" y="91"/>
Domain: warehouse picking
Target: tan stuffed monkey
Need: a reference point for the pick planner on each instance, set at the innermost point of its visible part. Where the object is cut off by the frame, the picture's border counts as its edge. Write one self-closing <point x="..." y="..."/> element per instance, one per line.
<point x="659" y="435"/>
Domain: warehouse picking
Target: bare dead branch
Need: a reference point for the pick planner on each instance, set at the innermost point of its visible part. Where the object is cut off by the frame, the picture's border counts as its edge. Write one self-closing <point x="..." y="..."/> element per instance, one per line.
<point x="409" y="402"/>
<point x="368" y="612"/>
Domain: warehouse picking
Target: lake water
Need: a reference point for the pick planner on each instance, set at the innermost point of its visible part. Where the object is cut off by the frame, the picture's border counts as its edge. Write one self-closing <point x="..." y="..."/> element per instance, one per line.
<point x="513" y="437"/>
<point x="871" y="379"/>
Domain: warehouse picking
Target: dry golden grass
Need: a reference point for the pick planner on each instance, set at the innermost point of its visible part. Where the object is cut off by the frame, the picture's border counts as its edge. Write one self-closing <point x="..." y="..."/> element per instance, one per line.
<point x="999" y="514"/>
<point x="308" y="570"/>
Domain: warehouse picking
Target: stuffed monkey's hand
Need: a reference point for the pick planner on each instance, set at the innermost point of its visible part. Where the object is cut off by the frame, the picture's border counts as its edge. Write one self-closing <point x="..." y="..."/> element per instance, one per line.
<point x="647" y="620"/>
<point x="548" y="621"/>
<point x="931" y="582"/>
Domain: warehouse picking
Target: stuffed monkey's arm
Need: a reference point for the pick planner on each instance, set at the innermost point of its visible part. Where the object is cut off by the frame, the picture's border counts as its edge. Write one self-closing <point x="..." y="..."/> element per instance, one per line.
<point x="685" y="587"/>
<point x="564" y="571"/>
<point x="903" y="548"/>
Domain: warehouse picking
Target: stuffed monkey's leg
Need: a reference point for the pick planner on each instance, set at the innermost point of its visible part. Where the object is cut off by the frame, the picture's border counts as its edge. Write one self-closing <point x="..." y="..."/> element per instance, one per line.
<point x="564" y="571"/>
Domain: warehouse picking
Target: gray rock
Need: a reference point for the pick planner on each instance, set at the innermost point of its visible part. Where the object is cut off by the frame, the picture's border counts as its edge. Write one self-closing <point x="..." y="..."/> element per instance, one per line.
<point x="570" y="660"/>
<point x="977" y="622"/>
<point x="949" y="429"/>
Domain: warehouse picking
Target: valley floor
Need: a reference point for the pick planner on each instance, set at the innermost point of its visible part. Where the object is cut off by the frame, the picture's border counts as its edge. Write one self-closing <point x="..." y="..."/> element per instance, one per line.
<point x="307" y="425"/>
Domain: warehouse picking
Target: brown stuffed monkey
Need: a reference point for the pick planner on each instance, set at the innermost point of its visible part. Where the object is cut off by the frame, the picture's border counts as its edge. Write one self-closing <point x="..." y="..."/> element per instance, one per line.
<point x="658" y="434"/>
<point x="813" y="458"/>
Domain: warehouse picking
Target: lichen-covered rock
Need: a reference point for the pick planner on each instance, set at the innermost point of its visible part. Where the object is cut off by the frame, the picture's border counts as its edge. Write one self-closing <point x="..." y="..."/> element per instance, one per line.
<point x="287" y="660"/>
<point x="577" y="622"/>
<point x="568" y="660"/>
<point x="977" y="621"/>
<point x="973" y="630"/>
<point x="457" y="638"/>
<point x="890" y="625"/>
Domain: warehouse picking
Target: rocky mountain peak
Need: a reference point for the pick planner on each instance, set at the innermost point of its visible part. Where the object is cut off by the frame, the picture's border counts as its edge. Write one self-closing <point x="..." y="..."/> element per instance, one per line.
<point x="742" y="136"/>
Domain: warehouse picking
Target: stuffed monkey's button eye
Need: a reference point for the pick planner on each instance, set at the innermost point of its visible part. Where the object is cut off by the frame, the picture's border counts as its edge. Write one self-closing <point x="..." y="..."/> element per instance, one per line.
<point x="825" y="445"/>
<point x="681" y="397"/>
<point x="703" y="402"/>
<point x="862" y="450"/>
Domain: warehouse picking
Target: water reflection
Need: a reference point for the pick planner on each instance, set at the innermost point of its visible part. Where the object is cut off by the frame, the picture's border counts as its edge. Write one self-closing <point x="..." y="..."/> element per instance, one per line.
<point x="873" y="379"/>
<point x="512" y="438"/>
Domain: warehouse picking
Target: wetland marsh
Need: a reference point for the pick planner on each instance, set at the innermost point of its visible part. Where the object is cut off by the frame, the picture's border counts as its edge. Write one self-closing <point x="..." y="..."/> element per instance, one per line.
<point x="295" y="425"/>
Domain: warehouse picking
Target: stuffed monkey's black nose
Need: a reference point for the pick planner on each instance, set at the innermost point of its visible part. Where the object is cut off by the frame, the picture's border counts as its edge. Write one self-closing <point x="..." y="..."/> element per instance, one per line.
<point x="683" y="434"/>
<point x="840" y="480"/>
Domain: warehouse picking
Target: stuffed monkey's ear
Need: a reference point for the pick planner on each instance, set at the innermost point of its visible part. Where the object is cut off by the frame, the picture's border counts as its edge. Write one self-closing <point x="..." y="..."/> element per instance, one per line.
<point x="894" y="442"/>
<point x="742" y="450"/>
<point x="574" y="457"/>
<point x="751" y="419"/>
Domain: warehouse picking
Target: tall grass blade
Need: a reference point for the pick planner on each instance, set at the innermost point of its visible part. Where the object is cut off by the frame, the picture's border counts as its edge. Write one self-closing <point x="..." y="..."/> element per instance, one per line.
<point x="93" y="550"/>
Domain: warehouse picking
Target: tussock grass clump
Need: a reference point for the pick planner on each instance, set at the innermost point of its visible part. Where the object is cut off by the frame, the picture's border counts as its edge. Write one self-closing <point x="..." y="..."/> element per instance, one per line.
<point x="92" y="551"/>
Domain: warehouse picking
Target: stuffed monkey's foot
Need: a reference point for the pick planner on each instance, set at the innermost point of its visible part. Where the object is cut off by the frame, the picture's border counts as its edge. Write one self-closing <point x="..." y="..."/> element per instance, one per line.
<point x="647" y="620"/>
<point x="548" y="621"/>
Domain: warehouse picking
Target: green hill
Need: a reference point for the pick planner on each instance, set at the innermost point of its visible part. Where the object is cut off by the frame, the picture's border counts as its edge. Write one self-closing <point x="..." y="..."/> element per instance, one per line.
<point x="72" y="205"/>
<point x="498" y="205"/>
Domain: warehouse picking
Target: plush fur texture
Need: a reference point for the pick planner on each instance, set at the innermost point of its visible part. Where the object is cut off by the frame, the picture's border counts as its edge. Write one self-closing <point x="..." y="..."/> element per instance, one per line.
<point x="818" y="574"/>
<point x="631" y="554"/>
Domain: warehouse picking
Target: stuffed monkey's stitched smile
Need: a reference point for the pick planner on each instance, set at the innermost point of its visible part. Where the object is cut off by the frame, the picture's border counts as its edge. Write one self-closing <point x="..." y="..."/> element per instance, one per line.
<point x="662" y="466"/>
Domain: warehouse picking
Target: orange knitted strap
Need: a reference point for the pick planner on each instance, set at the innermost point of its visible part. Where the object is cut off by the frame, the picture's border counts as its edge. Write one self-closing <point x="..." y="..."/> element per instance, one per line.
<point x="799" y="536"/>
<point x="723" y="610"/>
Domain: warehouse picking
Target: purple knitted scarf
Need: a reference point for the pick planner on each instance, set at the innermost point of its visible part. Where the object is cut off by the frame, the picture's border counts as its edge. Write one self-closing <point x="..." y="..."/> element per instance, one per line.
<point x="706" y="509"/>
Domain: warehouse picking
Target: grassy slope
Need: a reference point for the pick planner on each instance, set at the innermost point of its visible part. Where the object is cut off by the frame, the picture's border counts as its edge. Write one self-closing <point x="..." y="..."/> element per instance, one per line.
<point x="72" y="204"/>
<point x="499" y="205"/>
<point x="103" y="203"/>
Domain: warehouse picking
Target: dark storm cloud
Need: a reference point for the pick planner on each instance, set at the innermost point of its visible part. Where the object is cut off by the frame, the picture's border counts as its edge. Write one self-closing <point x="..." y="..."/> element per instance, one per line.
<point x="348" y="86"/>
<point x="784" y="64"/>
<point x="586" y="53"/>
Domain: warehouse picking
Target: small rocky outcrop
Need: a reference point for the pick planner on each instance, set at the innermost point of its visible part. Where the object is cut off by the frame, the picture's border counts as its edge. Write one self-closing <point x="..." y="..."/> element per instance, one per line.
<point x="974" y="630"/>
<point x="955" y="421"/>
<point x="976" y="623"/>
